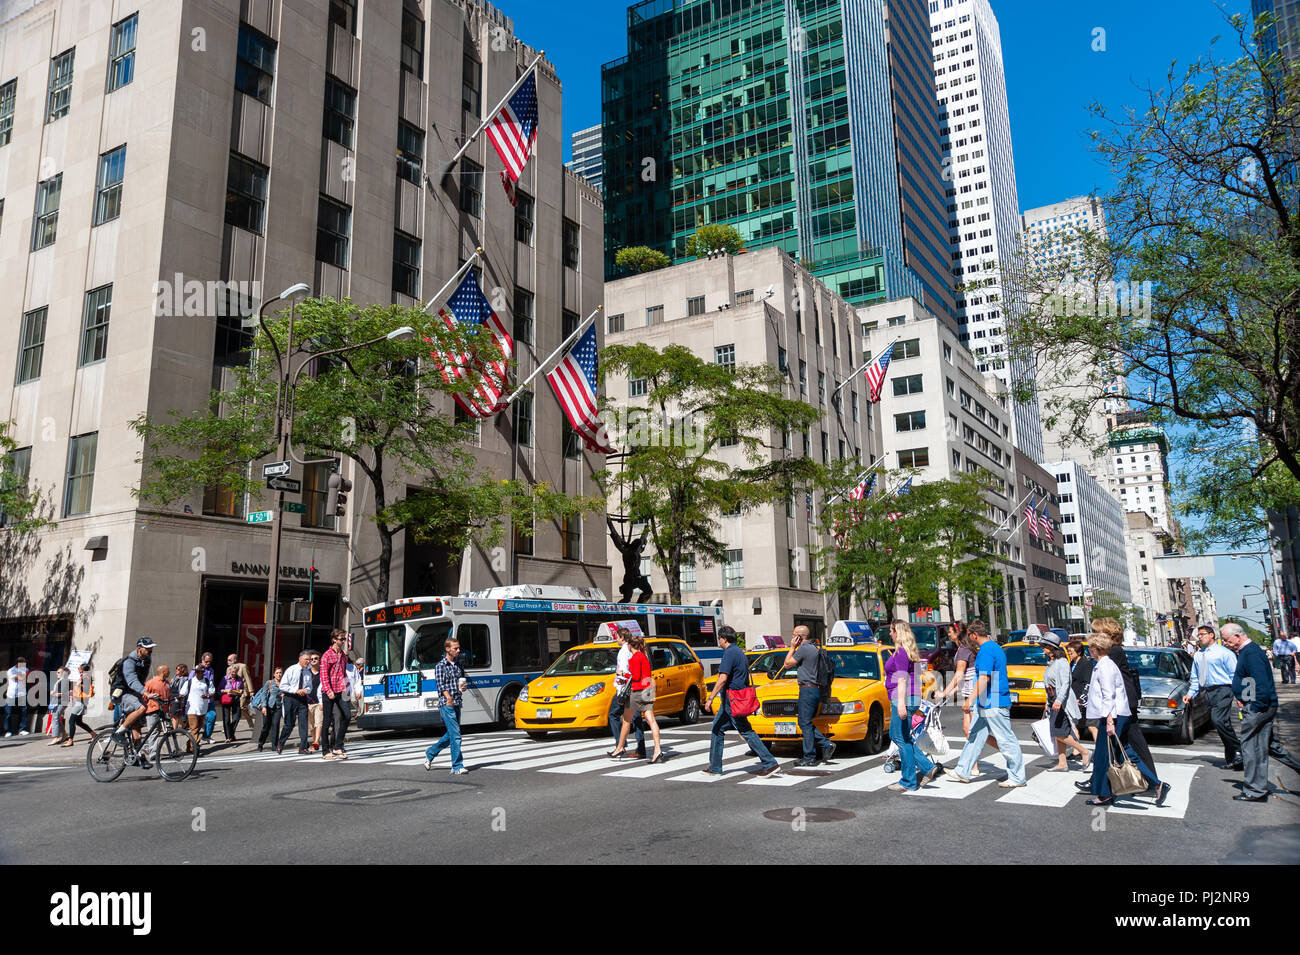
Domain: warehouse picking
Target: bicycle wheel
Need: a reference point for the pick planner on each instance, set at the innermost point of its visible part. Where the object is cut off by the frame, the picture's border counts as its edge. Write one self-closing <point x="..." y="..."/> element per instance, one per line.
<point x="177" y="754"/>
<point x="106" y="757"/>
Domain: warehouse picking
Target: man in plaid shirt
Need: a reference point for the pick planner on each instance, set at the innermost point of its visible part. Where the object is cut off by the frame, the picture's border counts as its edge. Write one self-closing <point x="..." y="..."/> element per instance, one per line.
<point x="333" y="691"/>
<point x="451" y="682"/>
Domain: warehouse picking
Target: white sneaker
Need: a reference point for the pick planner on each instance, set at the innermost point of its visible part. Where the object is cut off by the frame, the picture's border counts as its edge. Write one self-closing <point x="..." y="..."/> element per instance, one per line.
<point x="7" y="735"/>
<point x="428" y="765"/>
<point x="459" y="772"/>
<point x="24" y="733"/>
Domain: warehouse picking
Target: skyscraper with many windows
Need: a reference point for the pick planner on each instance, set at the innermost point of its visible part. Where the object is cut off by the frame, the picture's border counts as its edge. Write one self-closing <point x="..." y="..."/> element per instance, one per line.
<point x="810" y="125"/>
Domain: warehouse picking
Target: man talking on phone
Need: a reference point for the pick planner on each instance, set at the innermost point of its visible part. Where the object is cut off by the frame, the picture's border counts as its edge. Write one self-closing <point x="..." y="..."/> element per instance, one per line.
<point x="804" y="652"/>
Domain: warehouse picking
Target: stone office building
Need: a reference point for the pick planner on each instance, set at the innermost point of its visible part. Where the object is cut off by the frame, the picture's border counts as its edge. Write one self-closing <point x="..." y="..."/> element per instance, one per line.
<point x="153" y="143"/>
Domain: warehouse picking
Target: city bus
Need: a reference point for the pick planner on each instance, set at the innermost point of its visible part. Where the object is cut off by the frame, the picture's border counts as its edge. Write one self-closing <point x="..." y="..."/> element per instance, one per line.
<point x="505" y="641"/>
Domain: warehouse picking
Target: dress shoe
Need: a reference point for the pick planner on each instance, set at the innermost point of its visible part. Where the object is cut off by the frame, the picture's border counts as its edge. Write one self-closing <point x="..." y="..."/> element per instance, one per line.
<point x="1242" y="797"/>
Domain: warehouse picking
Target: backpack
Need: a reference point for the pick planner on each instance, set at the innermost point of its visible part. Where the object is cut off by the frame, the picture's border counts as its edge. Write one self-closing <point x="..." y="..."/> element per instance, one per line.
<point x="115" y="680"/>
<point x="825" y="672"/>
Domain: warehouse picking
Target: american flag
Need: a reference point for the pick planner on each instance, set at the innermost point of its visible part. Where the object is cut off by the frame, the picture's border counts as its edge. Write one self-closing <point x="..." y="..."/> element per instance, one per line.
<point x="860" y="493"/>
<point x="876" y="371"/>
<point x="574" y="382"/>
<point x="706" y="625"/>
<point x="513" y="130"/>
<point x="1031" y="516"/>
<point x="467" y="308"/>
<point x="808" y="504"/>
<point x="1045" y="524"/>
<point x="905" y="489"/>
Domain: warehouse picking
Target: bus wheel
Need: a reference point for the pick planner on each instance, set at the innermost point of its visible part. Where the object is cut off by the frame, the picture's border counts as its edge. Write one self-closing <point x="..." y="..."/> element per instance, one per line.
<point x="691" y="711"/>
<point x="506" y="707"/>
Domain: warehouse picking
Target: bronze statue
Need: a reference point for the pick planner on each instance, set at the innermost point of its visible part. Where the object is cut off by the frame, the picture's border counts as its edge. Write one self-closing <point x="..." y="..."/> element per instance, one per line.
<point x="631" y="550"/>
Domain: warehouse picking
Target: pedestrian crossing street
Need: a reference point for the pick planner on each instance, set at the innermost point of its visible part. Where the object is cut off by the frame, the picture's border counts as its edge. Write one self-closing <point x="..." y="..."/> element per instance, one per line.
<point x="688" y="750"/>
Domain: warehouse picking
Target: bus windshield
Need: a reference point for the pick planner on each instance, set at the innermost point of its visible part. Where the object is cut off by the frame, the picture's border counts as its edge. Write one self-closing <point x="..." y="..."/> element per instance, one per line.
<point x="584" y="660"/>
<point x="384" y="647"/>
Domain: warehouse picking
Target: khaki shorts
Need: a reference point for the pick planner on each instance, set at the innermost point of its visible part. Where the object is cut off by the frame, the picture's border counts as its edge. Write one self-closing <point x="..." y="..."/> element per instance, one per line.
<point x="642" y="700"/>
<point x="317" y="714"/>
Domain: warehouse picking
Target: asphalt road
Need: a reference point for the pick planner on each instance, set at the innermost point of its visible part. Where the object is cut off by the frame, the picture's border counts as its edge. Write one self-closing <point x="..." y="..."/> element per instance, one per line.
<point x="560" y="801"/>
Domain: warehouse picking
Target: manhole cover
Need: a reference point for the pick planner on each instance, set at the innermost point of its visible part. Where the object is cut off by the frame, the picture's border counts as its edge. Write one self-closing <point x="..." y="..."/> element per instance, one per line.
<point x="375" y="794"/>
<point x="808" y="814"/>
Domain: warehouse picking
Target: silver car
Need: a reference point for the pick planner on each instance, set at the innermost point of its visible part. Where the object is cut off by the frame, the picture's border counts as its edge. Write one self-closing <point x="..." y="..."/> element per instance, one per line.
<point x="1165" y="673"/>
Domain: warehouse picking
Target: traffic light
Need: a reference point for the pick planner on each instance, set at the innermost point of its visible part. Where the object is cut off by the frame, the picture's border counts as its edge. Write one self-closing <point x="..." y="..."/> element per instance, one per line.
<point x="336" y="501"/>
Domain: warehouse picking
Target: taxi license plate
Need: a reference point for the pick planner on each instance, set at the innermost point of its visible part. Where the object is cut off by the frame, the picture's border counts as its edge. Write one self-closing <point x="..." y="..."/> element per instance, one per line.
<point x="1015" y="698"/>
<point x="787" y="729"/>
<point x="543" y="714"/>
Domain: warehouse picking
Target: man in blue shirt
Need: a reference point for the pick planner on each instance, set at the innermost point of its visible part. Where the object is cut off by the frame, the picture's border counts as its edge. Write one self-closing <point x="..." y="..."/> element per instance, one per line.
<point x="1212" y="671"/>
<point x="992" y="697"/>
<point x="733" y="674"/>
<point x="1256" y="695"/>
<point x="1284" y="653"/>
<point x="451" y="683"/>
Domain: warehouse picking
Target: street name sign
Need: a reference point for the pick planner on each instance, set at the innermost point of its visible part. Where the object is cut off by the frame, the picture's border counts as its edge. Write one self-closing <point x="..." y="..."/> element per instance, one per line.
<point x="260" y="517"/>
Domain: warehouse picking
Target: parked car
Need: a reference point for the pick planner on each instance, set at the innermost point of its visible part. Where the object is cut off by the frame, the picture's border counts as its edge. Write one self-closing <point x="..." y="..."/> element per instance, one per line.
<point x="1165" y="674"/>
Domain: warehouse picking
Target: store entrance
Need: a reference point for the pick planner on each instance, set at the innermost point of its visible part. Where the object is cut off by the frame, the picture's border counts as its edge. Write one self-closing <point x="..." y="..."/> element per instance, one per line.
<point x="232" y="620"/>
<point x="816" y="626"/>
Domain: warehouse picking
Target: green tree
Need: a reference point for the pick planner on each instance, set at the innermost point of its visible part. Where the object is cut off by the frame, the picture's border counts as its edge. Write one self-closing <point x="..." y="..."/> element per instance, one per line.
<point x="20" y="506"/>
<point x="714" y="238"/>
<point x="384" y="406"/>
<point x="640" y="258"/>
<point x="1205" y="211"/>
<point x="677" y="479"/>
<point x="1107" y="604"/>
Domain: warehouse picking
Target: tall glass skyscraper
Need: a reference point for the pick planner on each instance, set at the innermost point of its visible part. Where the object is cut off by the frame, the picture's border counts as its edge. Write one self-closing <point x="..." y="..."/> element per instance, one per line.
<point x="807" y="124"/>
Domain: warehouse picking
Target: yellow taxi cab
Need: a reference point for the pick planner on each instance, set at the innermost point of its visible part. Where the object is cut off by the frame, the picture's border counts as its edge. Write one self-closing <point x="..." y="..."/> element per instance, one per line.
<point x="575" y="692"/>
<point x="858" y="709"/>
<point x="1026" y="662"/>
<point x="763" y="665"/>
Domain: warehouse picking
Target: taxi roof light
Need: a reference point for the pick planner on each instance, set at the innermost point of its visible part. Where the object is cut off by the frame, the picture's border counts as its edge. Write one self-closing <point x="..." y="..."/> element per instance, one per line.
<point x="839" y="640"/>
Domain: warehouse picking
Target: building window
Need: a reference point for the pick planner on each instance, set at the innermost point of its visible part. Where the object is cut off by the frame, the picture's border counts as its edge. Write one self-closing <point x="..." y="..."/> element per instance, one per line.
<point x="17" y="465"/>
<point x="615" y="323"/>
<point x="853" y="401"/>
<point x="343" y="13"/>
<point x="523" y="316"/>
<point x="340" y="112"/>
<point x="523" y="540"/>
<point x="571" y="445"/>
<point x="410" y="152"/>
<point x="315" y="495"/>
<point x="909" y="421"/>
<point x="524" y="225"/>
<point x="471" y="86"/>
<point x="570" y="244"/>
<point x="524" y="420"/>
<point x="686" y="578"/>
<point x="725" y="355"/>
<point x="245" y="194"/>
<point x="108" y="185"/>
<point x="231" y="345"/>
<point x="947" y="352"/>
<point x="793" y="559"/>
<point x="31" y="345"/>
<point x="636" y="387"/>
<point x="571" y="537"/>
<point x="914" y="458"/>
<point x="782" y="361"/>
<point x="46" y="225"/>
<point x="121" y="53"/>
<point x="94" y="325"/>
<point x="412" y="42"/>
<point x="60" y="93"/>
<point x="255" y="66"/>
<point x="745" y="297"/>
<point x="826" y="449"/>
<point x="654" y="315"/>
<point x="406" y="264"/>
<point x="471" y="188"/>
<point x="695" y="306"/>
<point x="79" y="483"/>
<point x="8" y="97"/>
<point x="821" y="388"/>
<point x="803" y="377"/>
<point x="907" y="385"/>
<point x="733" y="570"/>
<point x="333" y="226"/>
<point x="908" y="349"/>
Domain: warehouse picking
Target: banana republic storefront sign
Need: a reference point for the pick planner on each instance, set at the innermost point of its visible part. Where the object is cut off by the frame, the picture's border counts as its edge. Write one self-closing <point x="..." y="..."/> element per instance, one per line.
<point x="262" y="570"/>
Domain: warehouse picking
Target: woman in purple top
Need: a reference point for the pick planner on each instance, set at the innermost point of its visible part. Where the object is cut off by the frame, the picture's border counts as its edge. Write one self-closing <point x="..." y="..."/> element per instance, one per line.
<point x="232" y="688"/>
<point x="903" y="684"/>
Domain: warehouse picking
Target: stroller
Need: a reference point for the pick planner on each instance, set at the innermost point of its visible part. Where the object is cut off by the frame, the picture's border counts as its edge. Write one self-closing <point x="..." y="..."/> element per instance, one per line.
<point x="927" y="732"/>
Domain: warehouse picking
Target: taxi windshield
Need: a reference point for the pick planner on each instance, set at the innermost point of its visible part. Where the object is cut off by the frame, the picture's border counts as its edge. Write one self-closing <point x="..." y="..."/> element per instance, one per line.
<point x="584" y="660"/>
<point x="1026" y="656"/>
<point x="768" y="661"/>
<point x="849" y="665"/>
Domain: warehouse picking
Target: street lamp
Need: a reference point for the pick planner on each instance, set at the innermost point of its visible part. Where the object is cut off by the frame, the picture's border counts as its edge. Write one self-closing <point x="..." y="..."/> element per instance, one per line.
<point x="288" y="381"/>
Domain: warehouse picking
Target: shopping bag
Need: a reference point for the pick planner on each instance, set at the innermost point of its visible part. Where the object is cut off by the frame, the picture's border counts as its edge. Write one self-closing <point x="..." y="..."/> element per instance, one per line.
<point x="1043" y="733"/>
<point x="932" y="741"/>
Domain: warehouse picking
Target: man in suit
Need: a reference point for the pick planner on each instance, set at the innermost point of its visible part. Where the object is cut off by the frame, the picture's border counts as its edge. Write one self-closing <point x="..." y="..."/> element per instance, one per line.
<point x="1256" y="696"/>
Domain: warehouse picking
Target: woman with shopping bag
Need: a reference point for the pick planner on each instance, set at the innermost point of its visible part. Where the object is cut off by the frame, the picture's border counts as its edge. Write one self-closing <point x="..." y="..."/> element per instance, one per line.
<point x="1055" y="731"/>
<point x="1108" y="706"/>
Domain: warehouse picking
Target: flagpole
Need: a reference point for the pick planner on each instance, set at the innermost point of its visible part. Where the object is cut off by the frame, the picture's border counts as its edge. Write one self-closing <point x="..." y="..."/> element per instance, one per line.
<point x="874" y="467"/>
<point x="861" y="368"/>
<point x="491" y="115"/>
<point x="1014" y="515"/>
<point x="573" y="336"/>
<point x="460" y="273"/>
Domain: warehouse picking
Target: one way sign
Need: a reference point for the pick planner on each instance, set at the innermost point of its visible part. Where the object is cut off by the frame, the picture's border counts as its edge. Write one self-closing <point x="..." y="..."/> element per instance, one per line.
<point x="292" y="485"/>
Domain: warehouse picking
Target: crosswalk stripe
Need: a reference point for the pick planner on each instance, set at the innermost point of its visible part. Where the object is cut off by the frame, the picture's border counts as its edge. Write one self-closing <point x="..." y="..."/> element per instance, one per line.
<point x="604" y="762"/>
<point x="699" y="749"/>
<point x="734" y="752"/>
<point x="522" y="761"/>
<point x="1045" y="789"/>
<point x="1179" y="776"/>
<point x="505" y="756"/>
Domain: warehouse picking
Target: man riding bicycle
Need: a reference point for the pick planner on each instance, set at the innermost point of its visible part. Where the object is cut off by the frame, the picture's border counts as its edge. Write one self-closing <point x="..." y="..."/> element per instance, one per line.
<point x="131" y="701"/>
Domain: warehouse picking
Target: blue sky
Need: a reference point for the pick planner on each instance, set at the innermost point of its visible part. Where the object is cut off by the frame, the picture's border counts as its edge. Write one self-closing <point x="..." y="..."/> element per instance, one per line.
<point x="1053" y="72"/>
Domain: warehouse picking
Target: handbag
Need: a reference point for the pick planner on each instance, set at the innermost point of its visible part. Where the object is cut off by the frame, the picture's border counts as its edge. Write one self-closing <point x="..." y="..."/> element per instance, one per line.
<point x="227" y="699"/>
<point x="1042" y="730"/>
<point x="743" y="702"/>
<point x="1125" y="777"/>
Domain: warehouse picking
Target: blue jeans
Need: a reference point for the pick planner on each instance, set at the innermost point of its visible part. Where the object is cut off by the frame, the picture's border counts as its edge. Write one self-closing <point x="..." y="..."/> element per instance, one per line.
<point x="616" y="725"/>
<point x="724" y="721"/>
<point x="810" y="698"/>
<point x="1101" y="756"/>
<point x="998" y="722"/>
<point x="913" y="760"/>
<point x="12" y="725"/>
<point x="209" y="721"/>
<point x="451" y="720"/>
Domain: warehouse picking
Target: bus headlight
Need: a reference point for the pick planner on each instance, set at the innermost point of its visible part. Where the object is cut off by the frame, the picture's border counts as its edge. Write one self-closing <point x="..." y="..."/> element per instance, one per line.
<point x="523" y="695"/>
<point x="589" y="692"/>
